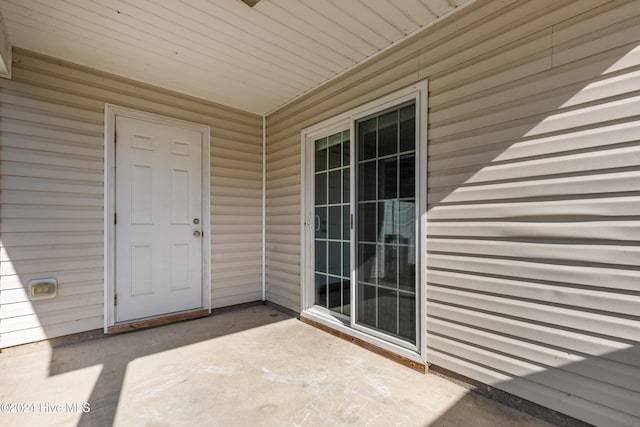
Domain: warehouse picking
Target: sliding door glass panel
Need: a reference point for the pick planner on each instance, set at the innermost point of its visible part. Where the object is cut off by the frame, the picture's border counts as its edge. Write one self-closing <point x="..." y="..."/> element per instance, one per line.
<point x="385" y="222"/>
<point x="332" y="214"/>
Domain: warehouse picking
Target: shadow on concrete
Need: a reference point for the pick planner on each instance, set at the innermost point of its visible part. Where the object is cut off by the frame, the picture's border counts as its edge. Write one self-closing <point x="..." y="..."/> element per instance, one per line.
<point x="125" y="348"/>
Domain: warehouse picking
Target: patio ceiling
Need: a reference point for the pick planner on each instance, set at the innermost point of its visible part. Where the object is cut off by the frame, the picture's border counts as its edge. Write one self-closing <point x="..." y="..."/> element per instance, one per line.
<point x="253" y="58"/>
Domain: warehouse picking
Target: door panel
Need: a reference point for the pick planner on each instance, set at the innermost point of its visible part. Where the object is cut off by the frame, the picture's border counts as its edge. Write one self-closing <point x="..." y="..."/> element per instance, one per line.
<point x="332" y="216"/>
<point x="385" y="223"/>
<point x="158" y="197"/>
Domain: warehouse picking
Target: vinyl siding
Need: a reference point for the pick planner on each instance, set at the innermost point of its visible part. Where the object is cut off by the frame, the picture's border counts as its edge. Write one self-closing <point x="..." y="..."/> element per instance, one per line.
<point x="533" y="196"/>
<point x="52" y="184"/>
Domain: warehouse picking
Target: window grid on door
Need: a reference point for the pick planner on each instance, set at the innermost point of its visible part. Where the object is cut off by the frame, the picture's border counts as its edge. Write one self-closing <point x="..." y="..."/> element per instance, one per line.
<point x="332" y="222"/>
<point x="385" y="222"/>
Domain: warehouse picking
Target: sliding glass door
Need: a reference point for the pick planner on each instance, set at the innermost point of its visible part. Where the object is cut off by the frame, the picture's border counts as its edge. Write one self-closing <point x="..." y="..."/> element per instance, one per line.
<point x="331" y="225"/>
<point x="362" y="209"/>
<point x="386" y="226"/>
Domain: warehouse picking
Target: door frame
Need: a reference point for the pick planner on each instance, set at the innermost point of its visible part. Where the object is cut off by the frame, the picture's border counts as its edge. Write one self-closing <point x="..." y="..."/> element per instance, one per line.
<point x="110" y="113"/>
<point x="347" y="120"/>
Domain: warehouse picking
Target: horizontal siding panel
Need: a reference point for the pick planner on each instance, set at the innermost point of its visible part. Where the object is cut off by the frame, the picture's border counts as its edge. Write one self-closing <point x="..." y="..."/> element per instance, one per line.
<point x="34" y="225"/>
<point x="238" y="220"/>
<point x="589" y="346"/>
<point x="487" y="64"/>
<point x="36" y="211"/>
<point x="27" y="92"/>
<point x="554" y="362"/>
<point x="57" y="305"/>
<point x="549" y="293"/>
<point x="51" y="265"/>
<point x="516" y="70"/>
<point x="130" y="99"/>
<point x="50" y="251"/>
<point x="610" y="184"/>
<point x="603" y="324"/>
<point x="605" y="207"/>
<point x="51" y="145"/>
<point x="39" y="130"/>
<point x="229" y="229"/>
<point x="288" y="239"/>
<point x="231" y="146"/>
<point x="599" y="39"/>
<point x="282" y="294"/>
<point x="542" y="123"/>
<point x="550" y="229"/>
<point x="244" y="289"/>
<point x="593" y="162"/>
<point x="231" y="277"/>
<point x="57" y="186"/>
<point x="89" y="113"/>
<point x="69" y="278"/>
<point x="614" y="255"/>
<point x="578" y="275"/>
<point x="286" y="282"/>
<point x="237" y="264"/>
<point x="237" y="201"/>
<point x="235" y="299"/>
<point x="51" y="318"/>
<point x="512" y="22"/>
<point x="600" y="137"/>
<point x="226" y="184"/>
<point x="39" y="158"/>
<point x="65" y="290"/>
<point x="50" y="172"/>
<point x="13" y="338"/>
<point x="48" y="119"/>
<point x="570" y="79"/>
<point x="230" y="172"/>
<point x="188" y="106"/>
<point x="541" y="103"/>
<point x="244" y="163"/>
<point x="20" y="240"/>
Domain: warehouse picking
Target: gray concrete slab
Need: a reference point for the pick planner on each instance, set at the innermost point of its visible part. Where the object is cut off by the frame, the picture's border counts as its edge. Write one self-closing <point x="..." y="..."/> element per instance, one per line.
<point x="250" y="367"/>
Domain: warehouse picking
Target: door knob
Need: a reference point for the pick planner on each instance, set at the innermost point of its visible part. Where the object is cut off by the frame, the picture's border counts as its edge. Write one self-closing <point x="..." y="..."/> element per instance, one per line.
<point x="197" y="233"/>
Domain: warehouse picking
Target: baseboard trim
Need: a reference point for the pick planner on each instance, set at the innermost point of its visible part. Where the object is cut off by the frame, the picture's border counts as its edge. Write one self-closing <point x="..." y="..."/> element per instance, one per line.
<point x="157" y="321"/>
<point x="420" y="367"/>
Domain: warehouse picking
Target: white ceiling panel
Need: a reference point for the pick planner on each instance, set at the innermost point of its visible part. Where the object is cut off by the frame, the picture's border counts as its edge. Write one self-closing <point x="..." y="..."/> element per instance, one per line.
<point x="253" y="58"/>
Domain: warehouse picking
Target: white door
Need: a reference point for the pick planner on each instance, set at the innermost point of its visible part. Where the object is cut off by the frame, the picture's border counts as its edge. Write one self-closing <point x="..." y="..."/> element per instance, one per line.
<point x="158" y="207"/>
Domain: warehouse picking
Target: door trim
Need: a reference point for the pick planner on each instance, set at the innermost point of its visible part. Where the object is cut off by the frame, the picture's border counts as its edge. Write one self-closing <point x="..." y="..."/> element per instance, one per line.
<point x="110" y="113"/>
<point x="346" y="120"/>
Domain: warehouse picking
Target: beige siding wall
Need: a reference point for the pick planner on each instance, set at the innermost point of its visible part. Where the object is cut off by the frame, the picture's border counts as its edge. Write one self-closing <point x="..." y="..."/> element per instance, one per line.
<point x="51" y="200"/>
<point x="534" y="196"/>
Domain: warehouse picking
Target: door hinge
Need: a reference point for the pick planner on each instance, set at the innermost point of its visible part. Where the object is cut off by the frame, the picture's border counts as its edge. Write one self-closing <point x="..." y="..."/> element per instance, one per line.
<point x="115" y="138"/>
<point x="115" y="299"/>
<point x="115" y="218"/>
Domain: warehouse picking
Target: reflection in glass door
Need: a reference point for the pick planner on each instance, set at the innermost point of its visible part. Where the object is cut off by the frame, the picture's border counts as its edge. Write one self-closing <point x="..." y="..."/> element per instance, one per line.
<point x="332" y="227"/>
<point x="385" y="222"/>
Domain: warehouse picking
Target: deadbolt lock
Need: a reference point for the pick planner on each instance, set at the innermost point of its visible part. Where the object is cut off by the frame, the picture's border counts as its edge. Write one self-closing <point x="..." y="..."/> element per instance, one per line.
<point x="196" y="221"/>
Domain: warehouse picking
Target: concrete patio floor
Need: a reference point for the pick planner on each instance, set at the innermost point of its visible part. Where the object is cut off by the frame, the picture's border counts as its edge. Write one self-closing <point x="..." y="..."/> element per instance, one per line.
<point x="253" y="366"/>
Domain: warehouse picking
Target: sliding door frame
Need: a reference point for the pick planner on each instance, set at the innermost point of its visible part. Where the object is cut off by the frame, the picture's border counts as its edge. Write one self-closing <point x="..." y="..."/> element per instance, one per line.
<point x="347" y="121"/>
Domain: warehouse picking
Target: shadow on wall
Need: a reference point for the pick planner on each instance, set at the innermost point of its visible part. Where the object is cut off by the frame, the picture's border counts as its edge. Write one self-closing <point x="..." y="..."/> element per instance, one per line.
<point x="533" y="241"/>
<point x="588" y="405"/>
